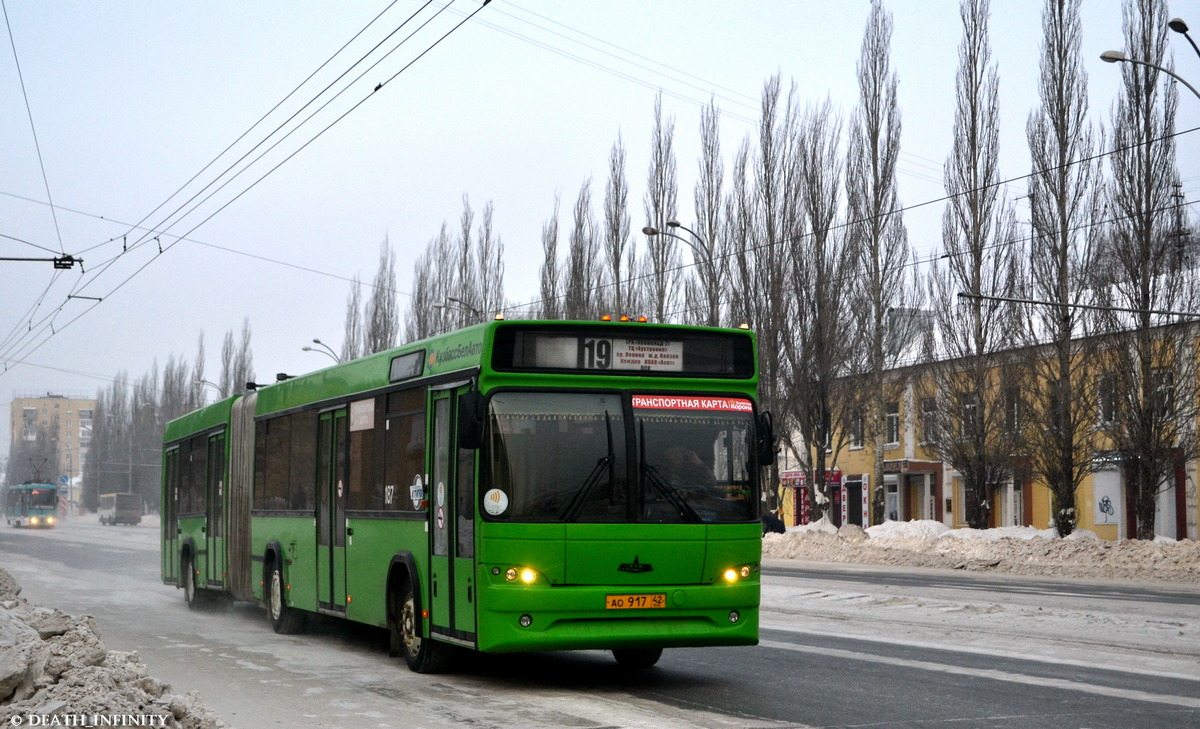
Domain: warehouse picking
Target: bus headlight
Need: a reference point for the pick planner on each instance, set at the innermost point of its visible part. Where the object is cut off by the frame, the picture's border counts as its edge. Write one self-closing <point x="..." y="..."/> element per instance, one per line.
<point x="34" y="521"/>
<point x="526" y="575"/>
<point x="50" y="520"/>
<point x="733" y="574"/>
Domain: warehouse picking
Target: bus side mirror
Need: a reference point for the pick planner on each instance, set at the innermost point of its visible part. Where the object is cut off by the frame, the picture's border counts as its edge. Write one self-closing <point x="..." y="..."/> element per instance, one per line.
<point x="471" y="416"/>
<point x="766" y="440"/>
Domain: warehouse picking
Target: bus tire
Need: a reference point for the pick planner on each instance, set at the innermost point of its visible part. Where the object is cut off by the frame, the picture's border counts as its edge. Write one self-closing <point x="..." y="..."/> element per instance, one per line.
<point x="423" y="655"/>
<point x="284" y="620"/>
<point x="192" y="594"/>
<point x="637" y="657"/>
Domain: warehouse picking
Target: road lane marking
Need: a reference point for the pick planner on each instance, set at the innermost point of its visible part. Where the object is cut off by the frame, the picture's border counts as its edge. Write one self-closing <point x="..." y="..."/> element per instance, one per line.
<point x="1108" y="691"/>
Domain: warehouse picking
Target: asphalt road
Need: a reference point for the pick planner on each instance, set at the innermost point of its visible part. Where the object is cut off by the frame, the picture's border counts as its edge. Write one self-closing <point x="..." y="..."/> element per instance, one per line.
<point x="841" y="647"/>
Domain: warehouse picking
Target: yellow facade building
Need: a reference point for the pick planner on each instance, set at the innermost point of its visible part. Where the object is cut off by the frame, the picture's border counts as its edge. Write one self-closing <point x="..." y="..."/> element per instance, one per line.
<point x="919" y="486"/>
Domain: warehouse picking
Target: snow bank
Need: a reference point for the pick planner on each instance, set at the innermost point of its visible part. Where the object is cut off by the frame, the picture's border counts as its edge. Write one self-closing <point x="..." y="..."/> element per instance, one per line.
<point x="55" y="665"/>
<point x="1017" y="550"/>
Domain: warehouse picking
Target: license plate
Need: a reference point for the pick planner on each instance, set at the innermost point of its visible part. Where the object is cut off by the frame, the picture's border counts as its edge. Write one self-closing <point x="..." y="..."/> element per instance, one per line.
<point x="634" y="602"/>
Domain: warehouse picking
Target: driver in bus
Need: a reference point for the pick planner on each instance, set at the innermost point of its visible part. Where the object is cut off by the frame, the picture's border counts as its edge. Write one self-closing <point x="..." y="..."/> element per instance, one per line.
<point x="686" y="469"/>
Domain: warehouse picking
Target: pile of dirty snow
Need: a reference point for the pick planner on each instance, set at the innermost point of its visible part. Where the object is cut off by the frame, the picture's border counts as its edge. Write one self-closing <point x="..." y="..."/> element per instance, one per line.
<point x="1017" y="550"/>
<point x="54" y="668"/>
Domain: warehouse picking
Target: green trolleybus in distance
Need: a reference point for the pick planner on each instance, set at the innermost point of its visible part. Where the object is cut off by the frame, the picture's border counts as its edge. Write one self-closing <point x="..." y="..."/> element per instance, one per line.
<point x="31" y="505"/>
<point x="512" y="486"/>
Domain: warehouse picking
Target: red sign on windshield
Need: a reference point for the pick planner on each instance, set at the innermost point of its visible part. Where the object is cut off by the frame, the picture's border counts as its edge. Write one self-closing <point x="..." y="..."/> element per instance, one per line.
<point x="692" y="402"/>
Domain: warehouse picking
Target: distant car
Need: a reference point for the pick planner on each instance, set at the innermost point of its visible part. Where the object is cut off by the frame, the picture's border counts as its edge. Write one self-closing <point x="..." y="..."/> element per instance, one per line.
<point x="120" y="509"/>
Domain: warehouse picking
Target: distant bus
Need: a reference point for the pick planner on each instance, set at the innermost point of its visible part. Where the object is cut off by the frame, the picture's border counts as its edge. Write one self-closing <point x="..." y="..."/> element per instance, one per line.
<point x="120" y="509"/>
<point x="513" y="486"/>
<point x="31" y="505"/>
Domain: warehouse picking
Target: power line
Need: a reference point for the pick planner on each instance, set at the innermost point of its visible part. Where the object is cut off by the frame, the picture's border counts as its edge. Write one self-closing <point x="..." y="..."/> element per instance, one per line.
<point x="264" y="117"/>
<point x="137" y="271"/>
<point x="32" y="128"/>
<point x="280" y="126"/>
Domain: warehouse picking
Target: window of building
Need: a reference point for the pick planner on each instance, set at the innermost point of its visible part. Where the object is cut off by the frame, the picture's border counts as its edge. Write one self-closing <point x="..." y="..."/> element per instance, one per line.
<point x="1012" y="410"/>
<point x="892" y="423"/>
<point x="1162" y="392"/>
<point x="1106" y="396"/>
<point x="856" y="428"/>
<point x="928" y="420"/>
<point x="971" y="423"/>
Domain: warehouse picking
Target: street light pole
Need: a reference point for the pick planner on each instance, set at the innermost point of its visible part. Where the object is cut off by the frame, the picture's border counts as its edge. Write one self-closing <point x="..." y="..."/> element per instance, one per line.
<point x="461" y="305"/>
<point x="700" y="253"/>
<point x="206" y="383"/>
<point x="325" y="350"/>
<point x="1177" y="25"/>
<point x="1119" y="57"/>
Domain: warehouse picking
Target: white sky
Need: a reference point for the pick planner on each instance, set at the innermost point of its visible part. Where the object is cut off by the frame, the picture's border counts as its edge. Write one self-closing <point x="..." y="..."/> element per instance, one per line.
<point x="131" y="99"/>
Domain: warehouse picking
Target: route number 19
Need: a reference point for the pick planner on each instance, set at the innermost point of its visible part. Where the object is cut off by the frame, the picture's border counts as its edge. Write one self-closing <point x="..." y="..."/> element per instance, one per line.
<point x="595" y="354"/>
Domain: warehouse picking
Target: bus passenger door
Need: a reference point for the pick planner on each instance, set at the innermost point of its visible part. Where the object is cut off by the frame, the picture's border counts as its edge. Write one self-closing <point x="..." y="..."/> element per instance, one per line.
<point x="215" y="512"/>
<point x="170" y="518"/>
<point x="331" y="511"/>
<point x="452" y="514"/>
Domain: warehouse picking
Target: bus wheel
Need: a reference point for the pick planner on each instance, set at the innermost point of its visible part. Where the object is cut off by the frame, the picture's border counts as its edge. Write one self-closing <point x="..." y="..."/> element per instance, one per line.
<point x="422" y="655"/>
<point x="284" y="620"/>
<point x="191" y="593"/>
<point x="637" y="657"/>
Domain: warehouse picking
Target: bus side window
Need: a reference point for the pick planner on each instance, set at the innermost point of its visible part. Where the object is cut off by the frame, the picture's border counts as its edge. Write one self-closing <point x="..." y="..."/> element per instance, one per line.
<point x="404" y="452"/>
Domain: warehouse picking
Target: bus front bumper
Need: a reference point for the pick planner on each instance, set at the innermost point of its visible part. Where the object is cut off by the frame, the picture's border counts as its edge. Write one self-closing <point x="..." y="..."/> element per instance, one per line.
<point x="547" y="618"/>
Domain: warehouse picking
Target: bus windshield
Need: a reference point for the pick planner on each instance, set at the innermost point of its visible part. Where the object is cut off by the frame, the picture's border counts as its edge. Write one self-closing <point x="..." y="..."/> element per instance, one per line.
<point x="575" y="457"/>
<point x="41" y="498"/>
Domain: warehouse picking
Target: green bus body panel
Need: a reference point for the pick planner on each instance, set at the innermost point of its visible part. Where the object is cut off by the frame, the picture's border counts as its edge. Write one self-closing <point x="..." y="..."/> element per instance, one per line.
<point x="442" y="355"/>
<point x="297" y="537"/>
<point x="571" y="614"/>
<point x="369" y="553"/>
<point x="198" y="421"/>
<point x="578" y="564"/>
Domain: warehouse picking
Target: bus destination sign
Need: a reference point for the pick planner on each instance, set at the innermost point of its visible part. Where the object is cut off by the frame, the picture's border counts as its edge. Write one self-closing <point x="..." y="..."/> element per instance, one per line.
<point x="614" y="353"/>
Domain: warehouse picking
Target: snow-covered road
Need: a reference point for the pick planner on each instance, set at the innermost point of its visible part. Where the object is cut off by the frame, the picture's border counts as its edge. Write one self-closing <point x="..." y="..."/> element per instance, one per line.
<point x="851" y="645"/>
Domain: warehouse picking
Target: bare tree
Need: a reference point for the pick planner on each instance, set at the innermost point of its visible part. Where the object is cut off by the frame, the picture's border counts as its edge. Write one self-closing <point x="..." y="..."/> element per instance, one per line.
<point x="381" y="315"/>
<point x="819" y="343"/>
<point x="550" y="306"/>
<point x="711" y="266"/>
<point x="759" y="213"/>
<point x="582" y="269"/>
<point x="196" y="394"/>
<point x="243" y="361"/>
<point x="489" y="264"/>
<point x="352" y="332"/>
<point x="619" y="253"/>
<point x="228" y="384"/>
<point x="970" y="380"/>
<point x="662" y="253"/>
<point x="738" y="235"/>
<point x="427" y="312"/>
<point x="1151" y="355"/>
<point x="1065" y="206"/>
<point x="883" y="291"/>
<point x="175" y="396"/>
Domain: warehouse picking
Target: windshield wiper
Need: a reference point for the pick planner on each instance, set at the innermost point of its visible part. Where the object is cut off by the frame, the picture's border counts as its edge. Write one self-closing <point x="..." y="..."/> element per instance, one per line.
<point x="664" y="487"/>
<point x="576" y="505"/>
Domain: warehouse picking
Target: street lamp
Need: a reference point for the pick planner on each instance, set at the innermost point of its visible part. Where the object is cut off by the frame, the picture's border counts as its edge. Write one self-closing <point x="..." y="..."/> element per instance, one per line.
<point x="461" y="305"/>
<point x="325" y="350"/>
<point x="1177" y="25"/>
<point x="206" y="383"/>
<point x="1119" y="57"/>
<point x="701" y="253"/>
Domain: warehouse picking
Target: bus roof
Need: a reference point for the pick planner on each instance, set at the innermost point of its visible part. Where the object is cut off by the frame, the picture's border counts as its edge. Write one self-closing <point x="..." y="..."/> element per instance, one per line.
<point x="468" y="350"/>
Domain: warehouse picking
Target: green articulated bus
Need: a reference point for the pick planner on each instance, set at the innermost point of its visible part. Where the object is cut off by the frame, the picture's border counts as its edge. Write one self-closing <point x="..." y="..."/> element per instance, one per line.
<point x="512" y="486"/>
